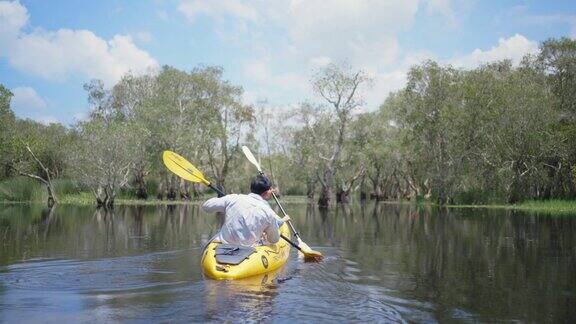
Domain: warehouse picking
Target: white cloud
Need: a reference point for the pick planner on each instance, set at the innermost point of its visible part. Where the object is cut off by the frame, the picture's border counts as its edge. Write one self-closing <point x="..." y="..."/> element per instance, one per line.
<point x="64" y="53"/>
<point x="360" y="31"/>
<point x="26" y="99"/>
<point x="271" y="84"/>
<point x="513" y="48"/>
<point x="393" y="79"/>
<point x="27" y="103"/>
<point x="318" y="32"/>
<point x="13" y="17"/>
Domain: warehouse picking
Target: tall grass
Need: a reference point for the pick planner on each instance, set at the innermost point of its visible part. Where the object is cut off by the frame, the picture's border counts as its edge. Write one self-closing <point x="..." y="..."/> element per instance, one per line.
<point x="22" y="189"/>
<point x="554" y="206"/>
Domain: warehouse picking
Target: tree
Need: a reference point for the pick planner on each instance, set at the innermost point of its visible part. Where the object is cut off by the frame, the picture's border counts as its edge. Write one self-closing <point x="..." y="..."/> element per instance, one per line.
<point x="557" y="58"/>
<point x="103" y="155"/>
<point x="226" y="121"/>
<point x="424" y="118"/>
<point x="309" y="139"/>
<point x="339" y="87"/>
<point x="38" y="153"/>
<point x="7" y="120"/>
<point x="375" y="140"/>
<point x="131" y="96"/>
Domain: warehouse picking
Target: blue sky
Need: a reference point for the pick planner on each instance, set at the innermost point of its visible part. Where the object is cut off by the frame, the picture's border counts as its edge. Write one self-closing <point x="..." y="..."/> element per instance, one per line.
<point x="49" y="49"/>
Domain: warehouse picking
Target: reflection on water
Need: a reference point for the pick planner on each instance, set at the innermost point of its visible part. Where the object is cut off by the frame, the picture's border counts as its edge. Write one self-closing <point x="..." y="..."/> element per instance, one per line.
<point x="383" y="263"/>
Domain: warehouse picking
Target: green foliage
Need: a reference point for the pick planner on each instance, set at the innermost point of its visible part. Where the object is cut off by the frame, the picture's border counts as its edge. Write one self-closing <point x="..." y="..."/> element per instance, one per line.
<point x="21" y="189"/>
<point x="553" y="206"/>
<point x="6" y="125"/>
<point x="498" y="133"/>
<point x="47" y="143"/>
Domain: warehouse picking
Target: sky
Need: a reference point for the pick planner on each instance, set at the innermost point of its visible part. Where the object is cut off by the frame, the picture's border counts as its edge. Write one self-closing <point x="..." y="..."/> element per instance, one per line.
<point x="50" y="49"/>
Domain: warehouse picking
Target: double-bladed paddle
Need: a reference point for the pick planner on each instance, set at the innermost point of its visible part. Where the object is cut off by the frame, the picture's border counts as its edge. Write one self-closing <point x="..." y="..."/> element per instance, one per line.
<point x="187" y="171"/>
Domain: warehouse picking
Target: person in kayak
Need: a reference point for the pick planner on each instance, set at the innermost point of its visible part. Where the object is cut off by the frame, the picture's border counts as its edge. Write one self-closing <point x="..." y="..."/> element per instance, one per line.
<point x="249" y="219"/>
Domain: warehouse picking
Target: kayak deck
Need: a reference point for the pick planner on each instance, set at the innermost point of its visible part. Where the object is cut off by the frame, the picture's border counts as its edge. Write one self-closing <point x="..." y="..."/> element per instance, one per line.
<point x="266" y="258"/>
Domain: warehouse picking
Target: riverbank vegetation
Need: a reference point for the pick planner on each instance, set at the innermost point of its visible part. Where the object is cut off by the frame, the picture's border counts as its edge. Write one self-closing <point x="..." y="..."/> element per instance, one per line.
<point x="501" y="133"/>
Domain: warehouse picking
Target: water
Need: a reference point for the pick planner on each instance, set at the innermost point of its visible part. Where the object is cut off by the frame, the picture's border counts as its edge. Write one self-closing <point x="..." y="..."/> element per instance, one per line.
<point x="384" y="263"/>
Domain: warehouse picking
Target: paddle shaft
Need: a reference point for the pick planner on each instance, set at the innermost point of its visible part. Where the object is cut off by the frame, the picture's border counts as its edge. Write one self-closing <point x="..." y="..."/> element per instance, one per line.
<point x="282" y="209"/>
<point x="220" y="192"/>
<point x="291" y="243"/>
<point x="284" y="212"/>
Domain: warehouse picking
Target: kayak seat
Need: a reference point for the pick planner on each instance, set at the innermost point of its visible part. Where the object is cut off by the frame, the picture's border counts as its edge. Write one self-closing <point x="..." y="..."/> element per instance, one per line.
<point x="233" y="254"/>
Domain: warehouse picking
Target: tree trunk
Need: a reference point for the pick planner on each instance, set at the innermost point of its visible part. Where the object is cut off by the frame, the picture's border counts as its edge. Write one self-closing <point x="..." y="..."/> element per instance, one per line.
<point x="343" y="196"/>
<point x="160" y="191"/>
<point x="51" y="195"/>
<point x="194" y="190"/>
<point x="377" y="192"/>
<point x="171" y="190"/>
<point x="184" y="190"/>
<point x="514" y="194"/>
<point x="141" y="189"/>
<point x="363" y="194"/>
<point x="52" y="200"/>
<point x="310" y="188"/>
<point x="326" y="193"/>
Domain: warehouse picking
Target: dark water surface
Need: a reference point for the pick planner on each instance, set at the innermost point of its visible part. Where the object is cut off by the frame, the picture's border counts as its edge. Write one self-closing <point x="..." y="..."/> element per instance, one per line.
<point x="384" y="263"/>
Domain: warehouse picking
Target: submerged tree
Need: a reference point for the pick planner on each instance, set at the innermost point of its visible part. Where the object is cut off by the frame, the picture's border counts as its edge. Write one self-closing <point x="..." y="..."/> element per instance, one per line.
<point x="339" y="87"/>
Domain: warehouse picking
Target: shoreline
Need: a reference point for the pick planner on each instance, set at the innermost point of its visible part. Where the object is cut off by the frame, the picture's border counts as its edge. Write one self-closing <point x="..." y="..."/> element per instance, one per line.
<point x="555" y="206"/>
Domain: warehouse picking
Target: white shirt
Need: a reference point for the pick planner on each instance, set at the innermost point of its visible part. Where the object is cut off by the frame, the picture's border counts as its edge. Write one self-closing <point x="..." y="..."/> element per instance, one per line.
<point x="247" y="217"/>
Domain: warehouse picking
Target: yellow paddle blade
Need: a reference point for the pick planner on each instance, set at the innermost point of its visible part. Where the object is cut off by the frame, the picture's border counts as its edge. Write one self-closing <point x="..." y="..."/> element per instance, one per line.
<point x="308" y="253"/>
<point x="182" y="168"/>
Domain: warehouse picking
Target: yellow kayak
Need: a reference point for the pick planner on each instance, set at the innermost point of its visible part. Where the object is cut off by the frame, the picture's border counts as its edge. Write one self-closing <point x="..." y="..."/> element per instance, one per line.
<point x="219" y="260"/>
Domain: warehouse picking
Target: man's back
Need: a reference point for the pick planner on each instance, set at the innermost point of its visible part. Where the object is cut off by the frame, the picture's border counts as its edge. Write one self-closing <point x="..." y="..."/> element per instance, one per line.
<point x="247" y="218"/>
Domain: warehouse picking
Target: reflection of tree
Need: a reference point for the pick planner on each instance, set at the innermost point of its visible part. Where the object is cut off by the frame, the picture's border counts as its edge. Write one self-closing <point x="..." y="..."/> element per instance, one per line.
<point x="491" y="263"/>
<point x="481" y="261"/>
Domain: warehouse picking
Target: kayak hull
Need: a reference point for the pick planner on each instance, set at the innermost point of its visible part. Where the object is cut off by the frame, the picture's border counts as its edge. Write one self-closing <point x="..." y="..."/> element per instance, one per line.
<point x="267" y="258"/>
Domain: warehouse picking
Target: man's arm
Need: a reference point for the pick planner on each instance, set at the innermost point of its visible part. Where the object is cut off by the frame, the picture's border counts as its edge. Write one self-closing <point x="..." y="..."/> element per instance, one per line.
<point x="272" y="233"/>
<point x="214" y="205"/>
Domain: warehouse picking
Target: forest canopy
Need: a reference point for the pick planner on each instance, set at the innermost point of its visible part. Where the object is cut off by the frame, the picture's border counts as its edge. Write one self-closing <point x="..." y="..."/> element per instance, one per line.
<point x="498" y="133"/>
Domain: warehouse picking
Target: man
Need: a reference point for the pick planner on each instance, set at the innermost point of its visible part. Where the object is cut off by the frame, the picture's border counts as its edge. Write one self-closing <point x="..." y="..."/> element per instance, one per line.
<point x="249" y="219"/>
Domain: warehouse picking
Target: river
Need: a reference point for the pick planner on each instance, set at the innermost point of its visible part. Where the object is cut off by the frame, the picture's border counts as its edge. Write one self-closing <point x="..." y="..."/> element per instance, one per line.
<point x="383" y="263"/>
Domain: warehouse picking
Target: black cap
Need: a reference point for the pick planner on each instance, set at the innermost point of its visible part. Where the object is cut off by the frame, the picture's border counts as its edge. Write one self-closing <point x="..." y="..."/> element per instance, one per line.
<point x="260" y="184"/>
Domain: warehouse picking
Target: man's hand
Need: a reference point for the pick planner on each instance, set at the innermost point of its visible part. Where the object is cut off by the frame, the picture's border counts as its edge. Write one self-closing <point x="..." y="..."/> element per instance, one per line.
<point x="286" y="218"/>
